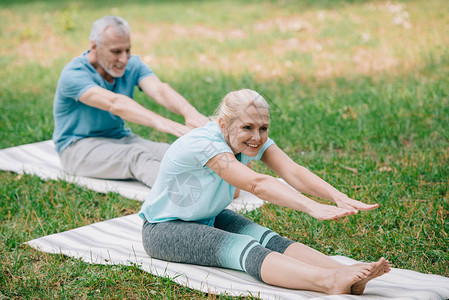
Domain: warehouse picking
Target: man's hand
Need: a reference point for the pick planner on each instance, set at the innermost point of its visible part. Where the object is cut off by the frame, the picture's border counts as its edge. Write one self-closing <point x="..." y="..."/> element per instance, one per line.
<point x="166" y="96"/>
<point x="196" y="120"/>
<point x="172" y="127"/>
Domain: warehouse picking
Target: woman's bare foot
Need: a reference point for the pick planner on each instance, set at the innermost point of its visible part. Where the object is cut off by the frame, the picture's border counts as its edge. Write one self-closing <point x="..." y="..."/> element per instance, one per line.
<point x="377" y="269"/>
<point x="343" y="279"/>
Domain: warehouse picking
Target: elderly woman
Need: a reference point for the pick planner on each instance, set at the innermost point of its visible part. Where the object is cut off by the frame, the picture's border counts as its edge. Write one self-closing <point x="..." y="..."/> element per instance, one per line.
<point x="186" y="220"/>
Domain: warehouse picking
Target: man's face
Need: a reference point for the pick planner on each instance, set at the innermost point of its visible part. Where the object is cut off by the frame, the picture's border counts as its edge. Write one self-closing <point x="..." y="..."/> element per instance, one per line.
<point x="114" y="52"/>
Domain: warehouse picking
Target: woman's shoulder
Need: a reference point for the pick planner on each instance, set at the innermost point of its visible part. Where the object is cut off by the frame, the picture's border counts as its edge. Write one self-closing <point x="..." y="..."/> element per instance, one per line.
<point x="209" y="132"/>
<point x="204" y="142"/>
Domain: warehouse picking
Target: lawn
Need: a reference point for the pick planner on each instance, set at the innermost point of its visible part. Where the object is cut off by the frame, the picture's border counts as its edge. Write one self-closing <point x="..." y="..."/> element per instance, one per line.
<point x="359" y="94"/>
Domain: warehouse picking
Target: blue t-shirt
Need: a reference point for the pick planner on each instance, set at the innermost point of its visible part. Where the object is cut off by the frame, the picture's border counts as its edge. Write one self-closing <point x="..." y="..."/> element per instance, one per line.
<point x="75" y="120"/>
<point x="186" y="188"/>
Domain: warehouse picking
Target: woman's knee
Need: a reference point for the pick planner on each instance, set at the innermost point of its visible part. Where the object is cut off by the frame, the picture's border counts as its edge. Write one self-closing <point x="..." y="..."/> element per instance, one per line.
<point x="147" y="228"/>
<point x="185" y="242"/>
<point x="160" y="239"/>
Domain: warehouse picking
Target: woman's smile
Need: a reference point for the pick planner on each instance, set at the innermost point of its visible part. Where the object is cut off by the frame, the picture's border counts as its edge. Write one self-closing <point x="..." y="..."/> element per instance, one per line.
<point x="248" y="132"/>
<point x="252" y="145"/>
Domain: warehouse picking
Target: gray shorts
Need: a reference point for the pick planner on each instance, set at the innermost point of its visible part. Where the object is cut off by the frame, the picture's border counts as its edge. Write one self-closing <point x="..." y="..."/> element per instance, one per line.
<point x="130" y="157"/>
<point x="234" y="242"/>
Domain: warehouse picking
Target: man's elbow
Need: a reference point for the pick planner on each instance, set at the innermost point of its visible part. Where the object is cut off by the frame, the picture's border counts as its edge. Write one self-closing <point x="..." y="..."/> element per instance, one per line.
<point x="164" y="89"/>
<point x="115" y="105"/>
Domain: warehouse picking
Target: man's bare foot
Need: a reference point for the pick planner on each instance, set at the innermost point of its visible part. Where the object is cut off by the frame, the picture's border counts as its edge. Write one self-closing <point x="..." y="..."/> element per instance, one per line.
<point x="377" y="269"/>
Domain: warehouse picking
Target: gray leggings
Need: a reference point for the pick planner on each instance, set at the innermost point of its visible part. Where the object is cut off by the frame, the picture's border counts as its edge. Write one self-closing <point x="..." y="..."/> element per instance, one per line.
<point x="130" y="157"/>
<point x="234" y="242"/>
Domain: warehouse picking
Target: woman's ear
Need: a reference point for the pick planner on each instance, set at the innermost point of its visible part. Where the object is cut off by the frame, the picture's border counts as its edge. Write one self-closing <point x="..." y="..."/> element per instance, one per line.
<point x="222" y="125"/>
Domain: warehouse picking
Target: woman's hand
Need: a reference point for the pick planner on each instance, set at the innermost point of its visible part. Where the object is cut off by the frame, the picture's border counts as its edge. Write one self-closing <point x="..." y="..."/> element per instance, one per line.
<point x="345" y="206"/>
<point x="353" y="205"/>
<point x="329" y="212"/>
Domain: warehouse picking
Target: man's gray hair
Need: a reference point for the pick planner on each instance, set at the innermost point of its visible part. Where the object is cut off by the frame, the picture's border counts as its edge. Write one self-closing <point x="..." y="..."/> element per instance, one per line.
<point x="99" y="27"/>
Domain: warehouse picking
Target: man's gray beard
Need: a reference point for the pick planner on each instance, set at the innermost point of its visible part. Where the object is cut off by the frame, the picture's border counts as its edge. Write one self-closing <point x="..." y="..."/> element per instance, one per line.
<point x="109" y="71"/>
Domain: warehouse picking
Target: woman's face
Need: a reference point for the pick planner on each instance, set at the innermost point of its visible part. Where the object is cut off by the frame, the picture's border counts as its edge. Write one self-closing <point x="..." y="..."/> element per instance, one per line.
<point x="248" y="132"/>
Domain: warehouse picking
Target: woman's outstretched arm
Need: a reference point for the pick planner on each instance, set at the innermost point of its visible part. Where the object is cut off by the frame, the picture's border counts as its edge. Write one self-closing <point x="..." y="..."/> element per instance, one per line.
<point x="270" y="189"/>
<point x="306" y="182"/>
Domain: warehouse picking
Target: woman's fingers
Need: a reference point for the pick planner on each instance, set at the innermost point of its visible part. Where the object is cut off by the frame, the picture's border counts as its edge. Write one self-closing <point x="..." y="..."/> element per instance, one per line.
<point x="363" y="206"/>
<point x="354" y="204"/>
<point x="368" y="206"/>
<point x="332" y="213"/>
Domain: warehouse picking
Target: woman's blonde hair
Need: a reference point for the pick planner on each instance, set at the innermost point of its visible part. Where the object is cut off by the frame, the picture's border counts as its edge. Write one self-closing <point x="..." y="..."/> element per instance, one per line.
<point x="234" y="103"/>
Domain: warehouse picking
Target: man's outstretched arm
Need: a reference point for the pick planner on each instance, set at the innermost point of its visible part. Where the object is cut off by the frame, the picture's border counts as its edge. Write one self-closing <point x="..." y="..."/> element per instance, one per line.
<point x="166" y="96"/>
<point x="129" y="110"/>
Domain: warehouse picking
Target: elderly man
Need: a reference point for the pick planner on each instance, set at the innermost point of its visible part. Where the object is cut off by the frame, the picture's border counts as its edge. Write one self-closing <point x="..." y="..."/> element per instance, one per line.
<point x="94" y="97"/>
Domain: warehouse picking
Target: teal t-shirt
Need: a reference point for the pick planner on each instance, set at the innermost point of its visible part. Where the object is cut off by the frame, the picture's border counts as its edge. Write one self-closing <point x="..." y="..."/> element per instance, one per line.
<point x="186" y="188"/>
<point x="75" y="120"/>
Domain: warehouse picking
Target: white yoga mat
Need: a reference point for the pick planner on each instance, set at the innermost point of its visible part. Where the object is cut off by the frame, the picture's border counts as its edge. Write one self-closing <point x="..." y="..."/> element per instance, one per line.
<point x="118" y="241"/>
<point x="41" y="159"/>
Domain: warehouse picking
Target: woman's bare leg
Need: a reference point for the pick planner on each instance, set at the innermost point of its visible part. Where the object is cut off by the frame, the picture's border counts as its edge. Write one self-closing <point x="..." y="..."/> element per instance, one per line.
<point x="312" y="257"/>
<point x="281" y="270"/>
<point x="380" y="268"/>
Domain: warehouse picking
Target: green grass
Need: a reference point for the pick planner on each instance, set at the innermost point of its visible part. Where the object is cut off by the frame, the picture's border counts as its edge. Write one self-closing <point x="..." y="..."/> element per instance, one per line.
<point x="359" y="92"/>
